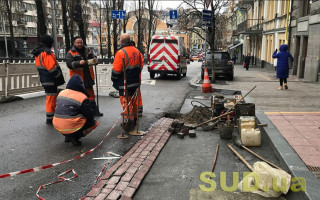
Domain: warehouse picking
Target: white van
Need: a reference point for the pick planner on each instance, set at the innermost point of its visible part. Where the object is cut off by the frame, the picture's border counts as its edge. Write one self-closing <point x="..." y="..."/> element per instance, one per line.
<point x="167" y="55"/>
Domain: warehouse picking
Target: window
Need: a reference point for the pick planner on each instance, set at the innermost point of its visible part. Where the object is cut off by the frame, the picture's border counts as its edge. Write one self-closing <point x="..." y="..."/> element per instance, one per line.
<point x="172" y="41"/>
<point x="158" y="41"/>
<point x="219" y="56"/>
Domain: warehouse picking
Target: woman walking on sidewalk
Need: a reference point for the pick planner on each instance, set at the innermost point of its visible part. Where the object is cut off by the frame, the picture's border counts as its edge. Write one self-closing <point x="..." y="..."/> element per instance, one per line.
<point x="247" y="61"/>
<point x="282" y="65"/>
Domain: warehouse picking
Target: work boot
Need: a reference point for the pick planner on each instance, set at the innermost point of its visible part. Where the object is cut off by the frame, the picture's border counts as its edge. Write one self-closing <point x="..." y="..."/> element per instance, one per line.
<point x="49" y="121"/>
<point x="75" y="141"/>
<point x="95" y="108"/>
<point x="67" y="138"/>
<point x="97" y="112"/>
<point x="128" y="126"/>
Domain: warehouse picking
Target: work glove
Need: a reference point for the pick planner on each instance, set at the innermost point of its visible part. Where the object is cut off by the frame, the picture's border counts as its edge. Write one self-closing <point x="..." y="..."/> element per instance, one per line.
<point x="93" y="61"/>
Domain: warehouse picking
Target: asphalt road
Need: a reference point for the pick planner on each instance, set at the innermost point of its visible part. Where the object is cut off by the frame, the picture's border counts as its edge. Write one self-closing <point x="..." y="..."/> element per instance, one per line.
<point x="27" y="142"/>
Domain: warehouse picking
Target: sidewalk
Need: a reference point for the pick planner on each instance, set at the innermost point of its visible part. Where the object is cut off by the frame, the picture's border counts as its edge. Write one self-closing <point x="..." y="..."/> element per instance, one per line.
<point x="302" y="132"/>
<point x="145" y="173"/>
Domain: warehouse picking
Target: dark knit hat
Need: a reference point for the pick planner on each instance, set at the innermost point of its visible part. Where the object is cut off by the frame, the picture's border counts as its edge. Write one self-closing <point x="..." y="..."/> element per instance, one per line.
<point x="47" y="40"/>
<point x="77" y="37"/>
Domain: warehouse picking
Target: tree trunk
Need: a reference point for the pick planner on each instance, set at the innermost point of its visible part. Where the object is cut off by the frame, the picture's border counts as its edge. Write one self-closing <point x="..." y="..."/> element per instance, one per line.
<point x="109" y="32"/>
<point x="151" y="18"/>
<point x="65" y="25"/>
<point x="139" y="26"/>
<point x="212" y="39"/>
<point x="115" y="35"/>
<point x="78" y="9"/>
<point x="9" y="11"/>
<point x="41" y="19"/>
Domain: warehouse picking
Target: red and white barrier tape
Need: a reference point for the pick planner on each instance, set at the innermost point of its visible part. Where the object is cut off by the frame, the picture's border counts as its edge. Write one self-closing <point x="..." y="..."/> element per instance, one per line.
<point x="6" y="175"/>
<point x="62" y="179"/>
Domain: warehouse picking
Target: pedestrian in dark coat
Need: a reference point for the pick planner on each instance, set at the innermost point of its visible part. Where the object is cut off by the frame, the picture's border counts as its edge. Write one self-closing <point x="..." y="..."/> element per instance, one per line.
<point x="282" y="65"/>
<point x="247" y="61"/>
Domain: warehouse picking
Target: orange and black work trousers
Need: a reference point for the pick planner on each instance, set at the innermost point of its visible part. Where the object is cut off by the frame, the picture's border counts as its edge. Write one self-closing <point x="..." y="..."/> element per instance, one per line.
<point x="85" y="130"/>
<point x="91" y="93"/>
<point x="51" y="97"/>
<point x="139" y="100"/>
<point x="132" y="107"/>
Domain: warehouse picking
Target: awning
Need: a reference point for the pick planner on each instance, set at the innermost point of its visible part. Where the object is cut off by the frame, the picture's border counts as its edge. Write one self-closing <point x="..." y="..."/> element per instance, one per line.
<point x="235" y="46"/>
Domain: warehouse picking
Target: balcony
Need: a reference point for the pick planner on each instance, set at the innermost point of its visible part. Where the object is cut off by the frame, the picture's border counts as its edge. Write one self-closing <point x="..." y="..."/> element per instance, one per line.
<point x="21" y="22"/>
<point x="21" y="9"/>
<point x="245" y="3"/>
<point x="252" y="30"/>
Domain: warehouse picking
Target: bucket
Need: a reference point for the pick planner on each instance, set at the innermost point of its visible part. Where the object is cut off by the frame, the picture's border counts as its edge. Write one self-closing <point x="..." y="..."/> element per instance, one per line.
<point x="225" y="132"/>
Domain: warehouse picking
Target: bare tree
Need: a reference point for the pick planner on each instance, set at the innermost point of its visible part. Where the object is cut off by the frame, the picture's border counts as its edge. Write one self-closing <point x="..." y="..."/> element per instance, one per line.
<point x="196" y="7"/>
<point x="139" y="13"/>
<point x="78" y="17"/>
<point x="41" y="19"/>
<point x="115" y="25"/>
<point x="107" y="6"/>
<point x="8" y="4"/>
<point x="153" y="20"/>
<point x="65" y="25"/>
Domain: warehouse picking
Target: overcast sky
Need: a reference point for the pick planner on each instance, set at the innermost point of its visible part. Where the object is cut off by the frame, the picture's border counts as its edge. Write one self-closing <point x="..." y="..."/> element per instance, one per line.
<point x="163" y="4"/>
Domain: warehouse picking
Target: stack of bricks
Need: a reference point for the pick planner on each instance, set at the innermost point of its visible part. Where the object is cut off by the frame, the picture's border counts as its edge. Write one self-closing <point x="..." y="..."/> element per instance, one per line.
<point x="181" y="129"/>
<point x="123" y="179"/>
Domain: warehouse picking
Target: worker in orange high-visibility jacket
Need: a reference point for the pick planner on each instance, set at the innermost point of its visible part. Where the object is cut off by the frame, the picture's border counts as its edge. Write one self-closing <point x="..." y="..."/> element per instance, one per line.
<point x="50" y="73"/>
<point x="74" y="117"/>
<point x="130" y="60"/>
<point x="80" y="60"/>
<point x="139" y="92"/>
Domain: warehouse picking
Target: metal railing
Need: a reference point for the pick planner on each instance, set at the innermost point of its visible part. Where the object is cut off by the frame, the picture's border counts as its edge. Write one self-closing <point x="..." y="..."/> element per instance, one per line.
<point x="243" y="27"/>
<point x="18" y="77"/>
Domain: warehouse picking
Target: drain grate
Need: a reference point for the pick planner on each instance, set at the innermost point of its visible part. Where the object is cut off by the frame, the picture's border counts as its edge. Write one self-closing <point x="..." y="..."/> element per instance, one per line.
<point x="311" y="168"/>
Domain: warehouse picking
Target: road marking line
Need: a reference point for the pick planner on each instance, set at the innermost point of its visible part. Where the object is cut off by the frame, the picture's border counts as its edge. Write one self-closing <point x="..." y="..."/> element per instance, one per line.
<point x="265" y="77"/>
<point x="148" y="82"/>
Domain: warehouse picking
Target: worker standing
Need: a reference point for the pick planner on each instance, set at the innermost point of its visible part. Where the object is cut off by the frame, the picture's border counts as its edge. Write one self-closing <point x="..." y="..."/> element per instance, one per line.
<point x="128" y="61"/>
<point x="74" y="117"/>
<point x="50" y="73"/>
<point x="139" y="91"/>
<point x="80" y="60"/>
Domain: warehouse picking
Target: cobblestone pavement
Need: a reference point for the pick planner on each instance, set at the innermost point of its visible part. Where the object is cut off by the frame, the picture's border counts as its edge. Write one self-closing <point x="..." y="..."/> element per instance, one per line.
<point x="123" y="178"/>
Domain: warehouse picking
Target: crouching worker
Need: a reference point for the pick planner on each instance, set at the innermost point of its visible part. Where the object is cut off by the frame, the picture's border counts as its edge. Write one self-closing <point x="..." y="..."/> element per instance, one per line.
<point x="73" y="117"/>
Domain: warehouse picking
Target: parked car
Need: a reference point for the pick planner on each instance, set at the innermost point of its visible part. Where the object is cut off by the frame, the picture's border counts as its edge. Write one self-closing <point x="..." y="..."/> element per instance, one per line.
<point x="223" y="64"/>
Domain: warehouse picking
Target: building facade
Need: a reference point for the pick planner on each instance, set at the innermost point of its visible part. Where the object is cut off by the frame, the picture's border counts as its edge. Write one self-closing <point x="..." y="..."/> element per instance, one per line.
<point x="261" y="26"/>
<point x="24" y="21"/>
<point x="304" y="39"/>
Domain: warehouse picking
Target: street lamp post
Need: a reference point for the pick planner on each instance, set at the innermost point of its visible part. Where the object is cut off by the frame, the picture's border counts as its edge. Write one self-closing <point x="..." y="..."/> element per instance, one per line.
<point x="25" y="48"/>
<point x="5" y="35"/>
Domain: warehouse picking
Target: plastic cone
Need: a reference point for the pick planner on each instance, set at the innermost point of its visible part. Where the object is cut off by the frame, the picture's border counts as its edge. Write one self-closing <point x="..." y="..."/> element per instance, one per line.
<point x="206" y="86"/>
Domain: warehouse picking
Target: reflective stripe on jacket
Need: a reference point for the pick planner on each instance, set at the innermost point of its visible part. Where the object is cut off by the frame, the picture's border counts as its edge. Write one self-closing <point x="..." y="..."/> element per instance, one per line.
<point x="68" y="118"/>
<point x="49" y="69"/>
<point x="73" y="58"/>
<point x="130" y="59"/>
